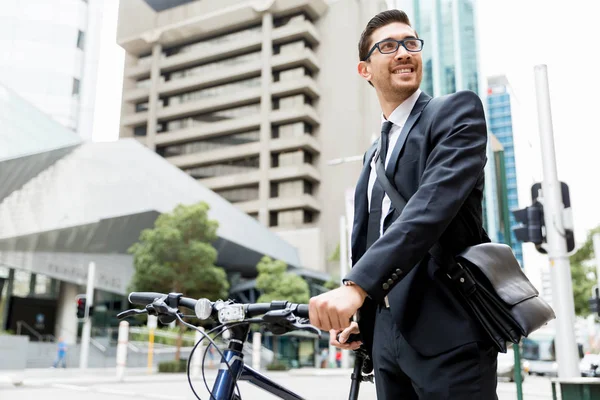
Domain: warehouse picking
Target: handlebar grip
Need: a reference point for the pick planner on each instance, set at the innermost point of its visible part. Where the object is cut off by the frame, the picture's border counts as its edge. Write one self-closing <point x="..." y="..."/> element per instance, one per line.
<point x="302" y="311"/>
<point x="144" y="298"/>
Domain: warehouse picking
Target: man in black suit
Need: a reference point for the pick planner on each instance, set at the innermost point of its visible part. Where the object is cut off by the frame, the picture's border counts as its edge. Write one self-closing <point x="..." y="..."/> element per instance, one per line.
<point x="424" y="343"/>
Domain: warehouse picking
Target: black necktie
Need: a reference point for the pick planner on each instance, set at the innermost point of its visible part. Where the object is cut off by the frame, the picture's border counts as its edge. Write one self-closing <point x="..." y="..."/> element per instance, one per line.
<point x="378" y="193"/>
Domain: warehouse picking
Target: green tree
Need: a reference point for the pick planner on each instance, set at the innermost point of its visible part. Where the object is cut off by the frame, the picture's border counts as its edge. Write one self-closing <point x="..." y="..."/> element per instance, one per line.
<point x="276" y="283"/>
<point x="583" y="274"/>
<point x="177" y="256"/>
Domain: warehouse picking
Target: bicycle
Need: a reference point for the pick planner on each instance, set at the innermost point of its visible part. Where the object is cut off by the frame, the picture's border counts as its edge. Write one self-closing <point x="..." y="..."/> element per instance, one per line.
<point x="278" y="317"/>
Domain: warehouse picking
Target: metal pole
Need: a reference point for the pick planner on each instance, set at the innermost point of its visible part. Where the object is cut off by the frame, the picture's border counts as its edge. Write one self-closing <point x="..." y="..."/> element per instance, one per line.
<point x="343" y="271"/>
<point x="596" y="242"/>
<point x="122" y="341"/>
<point x="562" y="290"/>
<point x="508" y="240"/>
<point x="87" y="325"/>
<point x="256" y="348"/>
<point x="196" y="361"/>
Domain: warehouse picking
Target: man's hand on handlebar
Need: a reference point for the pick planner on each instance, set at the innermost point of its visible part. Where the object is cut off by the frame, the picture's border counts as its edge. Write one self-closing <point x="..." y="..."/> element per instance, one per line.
<point x="339" y="339"/>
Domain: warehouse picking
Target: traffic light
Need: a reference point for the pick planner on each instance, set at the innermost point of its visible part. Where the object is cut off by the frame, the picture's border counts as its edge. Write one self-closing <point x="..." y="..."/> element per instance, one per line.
<point x="531" y="228"/>
<point x="81" y="300"/>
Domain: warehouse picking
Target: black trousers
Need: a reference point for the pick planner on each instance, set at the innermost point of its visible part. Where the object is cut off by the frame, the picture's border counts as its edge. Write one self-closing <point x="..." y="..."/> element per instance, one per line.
<point x="465" y="373"/>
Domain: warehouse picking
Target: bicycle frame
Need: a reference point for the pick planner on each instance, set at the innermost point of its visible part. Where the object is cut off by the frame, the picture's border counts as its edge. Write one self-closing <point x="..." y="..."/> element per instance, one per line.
<point x="224" y="386"/>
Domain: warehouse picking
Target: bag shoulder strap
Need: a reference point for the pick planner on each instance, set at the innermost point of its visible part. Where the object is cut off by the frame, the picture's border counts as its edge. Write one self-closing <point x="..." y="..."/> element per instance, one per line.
<point x="399" y="203"/>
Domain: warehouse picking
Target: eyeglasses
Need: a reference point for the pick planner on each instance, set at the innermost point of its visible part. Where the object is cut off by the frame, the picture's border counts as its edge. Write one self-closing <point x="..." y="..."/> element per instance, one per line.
<point x="389" y="46"/>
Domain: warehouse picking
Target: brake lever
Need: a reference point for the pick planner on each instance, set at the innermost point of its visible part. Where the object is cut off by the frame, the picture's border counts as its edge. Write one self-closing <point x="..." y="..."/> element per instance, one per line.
<point x="283" y="321"/>
<point x="128" y="313"/>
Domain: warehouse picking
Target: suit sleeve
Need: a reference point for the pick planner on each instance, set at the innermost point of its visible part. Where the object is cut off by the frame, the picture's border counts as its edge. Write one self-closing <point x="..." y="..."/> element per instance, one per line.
<point x="459" y="135"/>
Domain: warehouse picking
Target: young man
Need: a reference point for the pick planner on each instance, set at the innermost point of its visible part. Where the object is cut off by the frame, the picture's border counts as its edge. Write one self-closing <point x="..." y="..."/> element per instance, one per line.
<point x="424" y="343"/>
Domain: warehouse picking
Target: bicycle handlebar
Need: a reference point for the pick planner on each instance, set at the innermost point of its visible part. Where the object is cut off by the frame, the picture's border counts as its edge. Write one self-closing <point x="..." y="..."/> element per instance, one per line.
<point x="250" y="310"/>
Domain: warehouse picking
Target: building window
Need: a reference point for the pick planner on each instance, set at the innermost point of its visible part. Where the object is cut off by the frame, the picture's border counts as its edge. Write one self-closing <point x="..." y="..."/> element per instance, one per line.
<point x="273" y="218"/>
<point x="139" y="130"/>
<point x="209" y="144"/>
<point x="308" y="158"/>
<point x="274" y="160"/>
<point x="141" y="107"/>
<point x="236" y="195"/>
<point x="216" y="116"/>
<point x="80" y="40"/>
<point x="223" y="168"/>
<point x="221" y="90"/>
<point x="308" y="216"/>
<point x="75" y="90"/>
<point x="275" y="132"/>
<point x="274" y="190"/>
<point x="215" y="66"/>
<point x="290" y="19"/>
<point x="216" y="41"/>
<point x="308" y="187"/>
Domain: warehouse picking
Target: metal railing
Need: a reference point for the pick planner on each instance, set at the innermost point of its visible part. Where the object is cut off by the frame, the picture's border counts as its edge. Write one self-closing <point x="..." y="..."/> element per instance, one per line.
<point x="33" y="332"/>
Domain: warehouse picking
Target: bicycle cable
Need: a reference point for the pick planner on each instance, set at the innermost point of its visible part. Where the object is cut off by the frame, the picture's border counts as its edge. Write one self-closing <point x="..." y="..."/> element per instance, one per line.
<point x="211" y="343"/>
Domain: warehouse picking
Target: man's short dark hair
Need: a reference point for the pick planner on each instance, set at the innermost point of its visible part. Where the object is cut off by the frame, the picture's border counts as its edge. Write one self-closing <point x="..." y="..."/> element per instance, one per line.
<point x="382" y="19"/>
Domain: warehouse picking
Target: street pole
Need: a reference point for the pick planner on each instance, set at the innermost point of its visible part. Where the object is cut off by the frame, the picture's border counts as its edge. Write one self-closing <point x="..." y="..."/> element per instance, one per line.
<point x="87" y="325"/>
<point x="508" y="240"/>
<point x="596" y="242"/>
<point x="152" y="324"/>
<point x="122" y="342"/>
<point x="562" y="290"/>
<point x="343" y="270"/>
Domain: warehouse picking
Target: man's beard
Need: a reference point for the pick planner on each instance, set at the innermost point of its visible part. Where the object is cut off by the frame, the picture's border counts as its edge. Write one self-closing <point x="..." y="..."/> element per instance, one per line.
<point x="403" y="90"/>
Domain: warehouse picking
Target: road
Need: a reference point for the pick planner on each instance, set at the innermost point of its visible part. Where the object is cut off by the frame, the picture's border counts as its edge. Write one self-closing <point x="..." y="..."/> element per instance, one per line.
<point x="316" y="385"/>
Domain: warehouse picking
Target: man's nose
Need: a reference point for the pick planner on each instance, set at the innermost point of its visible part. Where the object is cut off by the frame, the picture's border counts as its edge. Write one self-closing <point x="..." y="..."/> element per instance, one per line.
<point x="402" y="53"/>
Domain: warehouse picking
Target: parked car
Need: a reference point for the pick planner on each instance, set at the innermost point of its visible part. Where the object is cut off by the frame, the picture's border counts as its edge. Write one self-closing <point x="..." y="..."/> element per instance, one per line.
<point x="506" y="366"/>
<point x="589" y="365"/>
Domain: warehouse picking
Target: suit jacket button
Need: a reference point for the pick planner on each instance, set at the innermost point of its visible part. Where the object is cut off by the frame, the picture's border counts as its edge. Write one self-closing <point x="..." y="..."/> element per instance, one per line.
<point x="386" y="286"/>
<point x="390" y="282"/>
<point x="394" y="276"/>
<point x="399" y="271"/>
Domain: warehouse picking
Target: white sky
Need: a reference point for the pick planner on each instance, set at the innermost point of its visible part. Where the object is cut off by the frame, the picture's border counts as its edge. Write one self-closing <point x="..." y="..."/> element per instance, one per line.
<point x="514" y="36"/>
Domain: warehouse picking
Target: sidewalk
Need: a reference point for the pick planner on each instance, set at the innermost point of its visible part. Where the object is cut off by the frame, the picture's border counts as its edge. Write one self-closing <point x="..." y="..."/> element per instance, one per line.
<point x="45" y="376"/>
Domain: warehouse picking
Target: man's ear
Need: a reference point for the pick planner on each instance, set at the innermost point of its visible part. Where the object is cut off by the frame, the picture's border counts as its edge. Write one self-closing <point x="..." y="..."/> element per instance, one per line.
<point x="364" y="70"/>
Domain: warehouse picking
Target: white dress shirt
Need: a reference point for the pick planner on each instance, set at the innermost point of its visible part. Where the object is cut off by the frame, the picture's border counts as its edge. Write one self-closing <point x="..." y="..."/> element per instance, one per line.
<point x="398" y="117"/>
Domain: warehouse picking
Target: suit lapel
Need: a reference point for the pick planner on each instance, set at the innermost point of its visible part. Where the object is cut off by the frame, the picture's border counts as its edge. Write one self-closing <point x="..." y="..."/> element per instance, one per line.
<point x="410" y="122"/>
<point x="361" y="204"/>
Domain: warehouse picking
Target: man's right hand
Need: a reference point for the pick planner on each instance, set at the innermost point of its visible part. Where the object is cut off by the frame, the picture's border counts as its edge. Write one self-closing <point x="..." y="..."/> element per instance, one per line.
<point x="344" y="334"/>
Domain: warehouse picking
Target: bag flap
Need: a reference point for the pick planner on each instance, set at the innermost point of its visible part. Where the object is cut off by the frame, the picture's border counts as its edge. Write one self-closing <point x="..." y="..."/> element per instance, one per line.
<point x="498" y="263"/>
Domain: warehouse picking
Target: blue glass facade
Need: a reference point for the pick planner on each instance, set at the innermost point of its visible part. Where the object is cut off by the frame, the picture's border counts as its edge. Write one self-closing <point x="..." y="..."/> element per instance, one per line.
<point x="449" y="55"/>
<point x="500" y="124"/>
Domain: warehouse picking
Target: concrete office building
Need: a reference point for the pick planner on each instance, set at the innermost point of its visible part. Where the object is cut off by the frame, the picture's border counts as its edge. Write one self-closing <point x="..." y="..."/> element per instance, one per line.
<point x="49" y="55"/>
<point x="254" y="99"/>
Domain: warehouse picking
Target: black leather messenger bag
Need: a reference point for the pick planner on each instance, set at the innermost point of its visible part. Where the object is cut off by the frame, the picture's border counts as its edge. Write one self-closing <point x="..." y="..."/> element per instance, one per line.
<point x="490" y="279"/>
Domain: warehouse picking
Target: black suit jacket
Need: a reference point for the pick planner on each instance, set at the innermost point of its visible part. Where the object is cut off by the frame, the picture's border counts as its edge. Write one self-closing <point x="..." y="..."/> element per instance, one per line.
<point x="437" y="165"/>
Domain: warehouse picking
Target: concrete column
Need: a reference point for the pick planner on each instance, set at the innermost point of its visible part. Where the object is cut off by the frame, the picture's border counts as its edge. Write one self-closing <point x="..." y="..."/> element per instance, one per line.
<point x="265" y="125"/>
<point x="153" y="97"/>
<point x="9" y="290"/>
<point x="66" y="318"/>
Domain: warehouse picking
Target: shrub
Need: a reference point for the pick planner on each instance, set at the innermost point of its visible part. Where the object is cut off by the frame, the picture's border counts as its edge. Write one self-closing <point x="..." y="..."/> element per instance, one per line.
<point x="172" y="366"/>
<point x="277" y="366"/>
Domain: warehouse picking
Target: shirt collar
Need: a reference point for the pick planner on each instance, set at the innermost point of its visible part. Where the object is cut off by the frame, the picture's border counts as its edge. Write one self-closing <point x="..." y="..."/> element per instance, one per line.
<point x="402" y="112"/>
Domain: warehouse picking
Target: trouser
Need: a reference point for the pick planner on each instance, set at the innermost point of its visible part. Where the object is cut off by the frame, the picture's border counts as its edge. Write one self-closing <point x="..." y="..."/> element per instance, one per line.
<point x="401" y="373"/>
<point x="61" y="359"/>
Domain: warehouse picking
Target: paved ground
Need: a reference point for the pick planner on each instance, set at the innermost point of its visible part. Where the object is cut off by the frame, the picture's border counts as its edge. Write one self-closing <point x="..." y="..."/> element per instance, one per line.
<point x="101" y="384"/>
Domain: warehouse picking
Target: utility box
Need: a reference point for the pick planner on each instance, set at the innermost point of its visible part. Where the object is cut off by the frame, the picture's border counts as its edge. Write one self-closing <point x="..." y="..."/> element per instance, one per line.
<point x="576" y="388"/>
